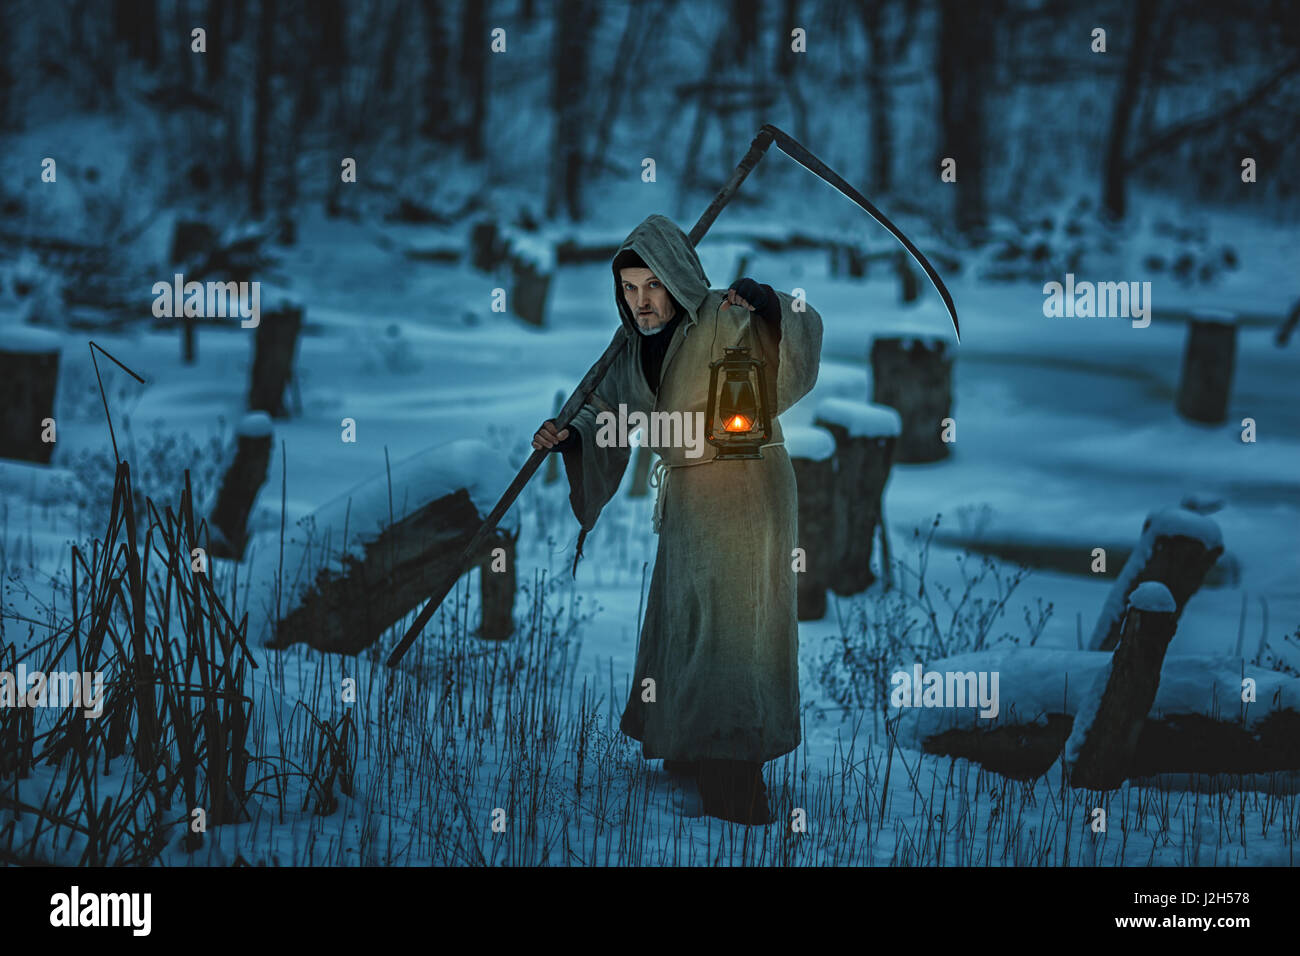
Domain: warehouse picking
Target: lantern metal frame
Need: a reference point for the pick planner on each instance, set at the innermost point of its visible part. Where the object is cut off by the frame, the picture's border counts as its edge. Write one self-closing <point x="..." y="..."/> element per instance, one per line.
<point x="736" y="447"/>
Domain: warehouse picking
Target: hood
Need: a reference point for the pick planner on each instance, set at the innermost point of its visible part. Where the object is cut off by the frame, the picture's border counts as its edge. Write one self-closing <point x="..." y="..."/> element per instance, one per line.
<point x="669" y="254"/>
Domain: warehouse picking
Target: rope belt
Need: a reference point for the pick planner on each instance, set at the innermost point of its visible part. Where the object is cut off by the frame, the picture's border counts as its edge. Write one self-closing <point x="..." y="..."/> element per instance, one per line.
<point x="659" y="480"/>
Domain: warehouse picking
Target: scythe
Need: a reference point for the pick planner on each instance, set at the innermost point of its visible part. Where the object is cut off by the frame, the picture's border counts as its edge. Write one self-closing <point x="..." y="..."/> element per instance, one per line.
<point x="767" y="135"/>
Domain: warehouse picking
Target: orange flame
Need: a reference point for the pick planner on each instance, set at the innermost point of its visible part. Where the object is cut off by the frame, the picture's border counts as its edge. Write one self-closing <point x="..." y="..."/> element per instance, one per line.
<point x="737" y="423"/>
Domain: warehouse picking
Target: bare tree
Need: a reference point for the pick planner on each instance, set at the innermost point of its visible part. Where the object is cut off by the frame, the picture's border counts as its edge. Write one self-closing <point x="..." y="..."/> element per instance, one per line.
<point x="262" y="107"/>
<point x="1126" y="97"/>
<point x="568" y="95"/>
<point x="437" y="105"/>
<point x="966" y="32"/>
<point x="473" y="73"/>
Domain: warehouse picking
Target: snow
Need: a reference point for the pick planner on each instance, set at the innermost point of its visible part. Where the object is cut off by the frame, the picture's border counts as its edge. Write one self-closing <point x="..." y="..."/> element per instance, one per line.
<point x="255" y="425"/>
<point x="1152" y="596"/>
<point x="813" y="444"/>
<point x="1220" y="316"/>
<point x="1167" y="522"/>
<point x="529" y="247"/>
<point x="23" y="339"/>
<point x="1179" y="522"/>
<point x="860" y="419"/>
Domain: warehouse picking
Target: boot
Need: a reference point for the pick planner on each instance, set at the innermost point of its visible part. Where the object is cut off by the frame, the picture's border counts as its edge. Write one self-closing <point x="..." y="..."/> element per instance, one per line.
<point x="733" y="790"/>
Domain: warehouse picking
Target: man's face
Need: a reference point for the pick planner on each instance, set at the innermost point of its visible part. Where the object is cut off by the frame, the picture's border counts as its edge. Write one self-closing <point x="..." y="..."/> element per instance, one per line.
<point x="645" y="295"/>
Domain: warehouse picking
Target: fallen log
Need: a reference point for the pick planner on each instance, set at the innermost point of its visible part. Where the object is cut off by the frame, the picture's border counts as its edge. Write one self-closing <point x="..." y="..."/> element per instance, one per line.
<point x="1196" y="724"/>
<point x="865" y="436"/>
<point x="1177" y="548"/>
<point x="812" y="454"/>
<point x="355" y="566"/>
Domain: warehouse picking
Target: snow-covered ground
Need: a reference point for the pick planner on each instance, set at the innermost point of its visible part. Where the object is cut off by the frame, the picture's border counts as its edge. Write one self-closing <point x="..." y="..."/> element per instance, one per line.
<point x="1066" y="438"/>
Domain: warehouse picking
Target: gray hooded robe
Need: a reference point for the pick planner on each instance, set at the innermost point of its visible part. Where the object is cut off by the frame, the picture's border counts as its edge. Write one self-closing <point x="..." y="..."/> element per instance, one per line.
<point x="720" y="637"/>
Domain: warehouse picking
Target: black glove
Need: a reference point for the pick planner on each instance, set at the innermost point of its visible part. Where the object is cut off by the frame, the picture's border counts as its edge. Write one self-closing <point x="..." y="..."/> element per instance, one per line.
<point x="762" y="297"/>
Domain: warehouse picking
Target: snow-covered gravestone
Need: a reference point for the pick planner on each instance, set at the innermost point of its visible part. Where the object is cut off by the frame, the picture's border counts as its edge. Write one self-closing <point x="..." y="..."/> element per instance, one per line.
<point x="244" y="478"/>
<point x="1208" y="361"/>
<point x="532" y="264"/>
<point x="29" y="377"/>
<point x="1177" y="548"/>
<point x="913" y="374"/>
<point x="812" y="453"/>
<point x="1103" y="743"/>
<point x="350" y="571"/>
<point x="865" y="435"/>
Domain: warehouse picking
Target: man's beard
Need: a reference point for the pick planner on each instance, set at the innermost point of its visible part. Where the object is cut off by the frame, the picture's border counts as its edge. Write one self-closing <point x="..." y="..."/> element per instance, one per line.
<point x="657" y="329"/>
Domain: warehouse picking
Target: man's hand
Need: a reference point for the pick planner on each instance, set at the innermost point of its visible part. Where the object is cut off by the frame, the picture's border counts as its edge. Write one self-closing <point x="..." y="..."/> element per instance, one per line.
<point x="547" y="437"/>
<point x="748" y="294"/>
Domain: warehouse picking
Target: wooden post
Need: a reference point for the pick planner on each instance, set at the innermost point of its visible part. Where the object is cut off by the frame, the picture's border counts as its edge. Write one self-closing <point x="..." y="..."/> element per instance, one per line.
<point x="243" y="480"/>
<point x="192" y="242"/>
<point x="485" y="252"/>
<point x="497" y="593"/>
<point x="1177" y="548"/>
<point x="29" y="378"/>
<point x="812" y="453"/>
<point x="274" y="345"/>
<point x="909" y="287"/>
<point x="529" y="291"/>
<point x="914" y="376"/>
<point x="865" y="436"/>
<point x="1104" y="740"/>
<point x="1209" y="356"/>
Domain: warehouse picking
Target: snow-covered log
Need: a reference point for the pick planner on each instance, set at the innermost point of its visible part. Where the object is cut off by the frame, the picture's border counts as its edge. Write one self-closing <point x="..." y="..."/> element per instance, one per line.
<point x="1196" y="724"/>
<point x="1104" y="738"/>
<point x="29" y="377"/>
<point x="274" y="346"/>
<point x="1177" y="548"/>
<point x="1209" y="357"/>
<point x="865" y="436"/>
<point x="244" y="478"/>
<point x="914" y="376"/>
<point x="812" y="453"/>
<point x="350" y="570"/>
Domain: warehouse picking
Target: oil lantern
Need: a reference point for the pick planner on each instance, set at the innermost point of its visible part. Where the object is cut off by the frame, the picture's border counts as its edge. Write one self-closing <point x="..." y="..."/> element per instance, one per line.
<point x="739" y="416"/>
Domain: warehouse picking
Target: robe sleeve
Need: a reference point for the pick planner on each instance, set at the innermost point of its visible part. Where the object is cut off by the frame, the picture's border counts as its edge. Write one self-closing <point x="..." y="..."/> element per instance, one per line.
<point x="595" y="473"/>
<point x="792" y="348"/>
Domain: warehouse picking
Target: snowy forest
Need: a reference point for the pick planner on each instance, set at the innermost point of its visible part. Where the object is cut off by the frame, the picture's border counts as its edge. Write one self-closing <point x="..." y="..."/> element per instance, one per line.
<point x="288" y="286"/>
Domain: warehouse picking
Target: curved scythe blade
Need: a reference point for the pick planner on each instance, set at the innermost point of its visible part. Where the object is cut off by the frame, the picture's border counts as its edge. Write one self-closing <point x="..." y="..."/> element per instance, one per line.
<point x="808" y="161"/>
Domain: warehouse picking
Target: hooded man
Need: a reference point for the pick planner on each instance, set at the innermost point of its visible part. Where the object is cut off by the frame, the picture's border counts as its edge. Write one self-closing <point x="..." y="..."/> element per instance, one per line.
<point x="720" y="637"/>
